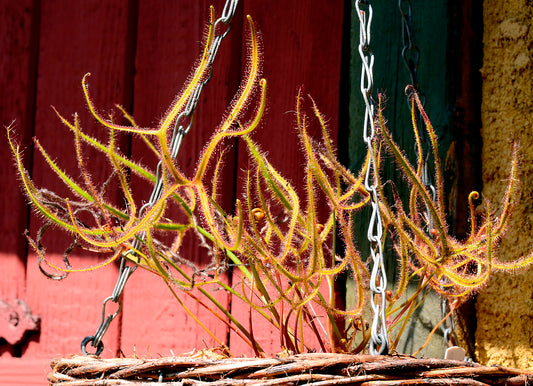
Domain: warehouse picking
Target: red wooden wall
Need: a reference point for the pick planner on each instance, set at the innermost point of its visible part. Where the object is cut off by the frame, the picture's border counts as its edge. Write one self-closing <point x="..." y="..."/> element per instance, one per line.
<point x="139" y="53"/>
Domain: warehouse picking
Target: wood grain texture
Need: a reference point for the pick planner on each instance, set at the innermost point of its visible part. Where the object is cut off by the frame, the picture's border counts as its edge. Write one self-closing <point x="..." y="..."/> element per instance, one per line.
<point x="140" y="53"/>
<point x="390" y="76"/>
<point x="24" y="371"/>
<point x="75" y="38"/>
<point x="17" y="94"/>
<point x="301" y="49"/>
<point x="153" y="320"/>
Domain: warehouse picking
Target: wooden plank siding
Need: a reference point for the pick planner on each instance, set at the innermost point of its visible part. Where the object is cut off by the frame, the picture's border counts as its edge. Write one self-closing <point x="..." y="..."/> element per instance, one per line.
<point x="430" y="26"/>
<point x="75" y="38"/>
<point x="17" y="96"/>
<point x="161" y="325"/>
<point x="302" y="49"/>
<point x="139" y="53"/>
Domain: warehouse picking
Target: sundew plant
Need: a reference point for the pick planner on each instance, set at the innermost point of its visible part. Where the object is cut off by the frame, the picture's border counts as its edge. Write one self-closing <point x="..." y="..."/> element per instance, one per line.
<point x="284" y="251"/>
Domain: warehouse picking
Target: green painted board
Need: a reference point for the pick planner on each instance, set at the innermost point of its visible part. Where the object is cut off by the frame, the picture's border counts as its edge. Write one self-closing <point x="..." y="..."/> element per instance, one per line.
<point x="391" y="76"/>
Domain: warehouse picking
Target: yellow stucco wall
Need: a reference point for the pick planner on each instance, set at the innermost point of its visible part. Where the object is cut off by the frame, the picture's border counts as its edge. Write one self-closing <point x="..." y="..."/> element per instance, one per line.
<point x="505" y="308"/>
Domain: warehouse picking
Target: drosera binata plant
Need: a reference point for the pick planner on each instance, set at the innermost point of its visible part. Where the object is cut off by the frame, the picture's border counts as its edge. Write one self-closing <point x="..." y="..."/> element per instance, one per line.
<point x="287" y="247"/>
<point x="425" y="248"/>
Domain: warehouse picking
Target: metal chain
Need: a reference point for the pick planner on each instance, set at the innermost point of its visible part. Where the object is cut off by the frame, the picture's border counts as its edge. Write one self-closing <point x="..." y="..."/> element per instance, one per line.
<point x="411" y="58"/>
<point x="446" y="327"/>
<point x="379" y="341"/>
<point x="178" y="134"/>
<point x="96" y="339"/>
<point x="410" y="51"/>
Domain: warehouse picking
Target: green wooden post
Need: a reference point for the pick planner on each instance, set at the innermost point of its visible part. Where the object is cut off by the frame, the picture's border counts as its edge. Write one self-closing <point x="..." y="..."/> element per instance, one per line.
<point x="391" y="77"/>
<point x="430" y="23"/>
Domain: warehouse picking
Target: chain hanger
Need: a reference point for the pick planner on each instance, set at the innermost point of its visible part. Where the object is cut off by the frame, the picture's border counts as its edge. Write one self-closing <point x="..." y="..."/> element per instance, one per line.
<point x="411" y="59"/>
<point x="178" y="134"/>
<point x="379" y="340"/>
<point x="410" y="51"/>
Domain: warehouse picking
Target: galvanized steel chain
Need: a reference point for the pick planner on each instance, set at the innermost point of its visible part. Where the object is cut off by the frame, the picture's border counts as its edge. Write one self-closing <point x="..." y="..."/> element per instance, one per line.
<point x="178" y="133"/>
<point x="379" y="341"/>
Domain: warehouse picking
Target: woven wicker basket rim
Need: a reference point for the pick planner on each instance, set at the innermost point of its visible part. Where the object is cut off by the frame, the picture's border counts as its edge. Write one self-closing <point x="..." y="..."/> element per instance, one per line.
<point x="309" y="369"/>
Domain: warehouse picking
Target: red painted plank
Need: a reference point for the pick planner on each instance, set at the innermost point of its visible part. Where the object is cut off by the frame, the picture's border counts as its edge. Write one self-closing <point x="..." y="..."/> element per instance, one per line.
<point x="75" y="38"/>
<point x="301" y="48"/>
<point x="17" y="65"/>
<point x="29" y="372"/>
<point x="290" y="58"/>
<point x="154" y="324"/>
<point x="93" y="36"/>
<point x="267" y="336"/>
<point x="168" y="46"/>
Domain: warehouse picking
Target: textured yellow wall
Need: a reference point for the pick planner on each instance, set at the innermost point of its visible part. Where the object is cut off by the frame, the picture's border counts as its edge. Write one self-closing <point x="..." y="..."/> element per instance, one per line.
<point x="505" y="309"/>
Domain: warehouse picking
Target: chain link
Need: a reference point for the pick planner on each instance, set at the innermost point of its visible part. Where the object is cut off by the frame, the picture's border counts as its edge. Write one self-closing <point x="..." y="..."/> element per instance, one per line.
<point x="379" y="341"/>
<point x="96" y="339"/>
<point x="178" y="134"/>
<point x="410" y="51"/>
<point x="411" y="59"/>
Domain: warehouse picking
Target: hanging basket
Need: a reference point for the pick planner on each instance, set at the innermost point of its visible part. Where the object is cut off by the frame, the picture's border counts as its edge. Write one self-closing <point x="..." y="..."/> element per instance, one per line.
<point x="304" y="369"/>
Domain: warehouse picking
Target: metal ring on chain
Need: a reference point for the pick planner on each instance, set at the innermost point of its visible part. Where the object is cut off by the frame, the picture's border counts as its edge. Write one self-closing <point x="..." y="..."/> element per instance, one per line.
<point x="90" y="339"/>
